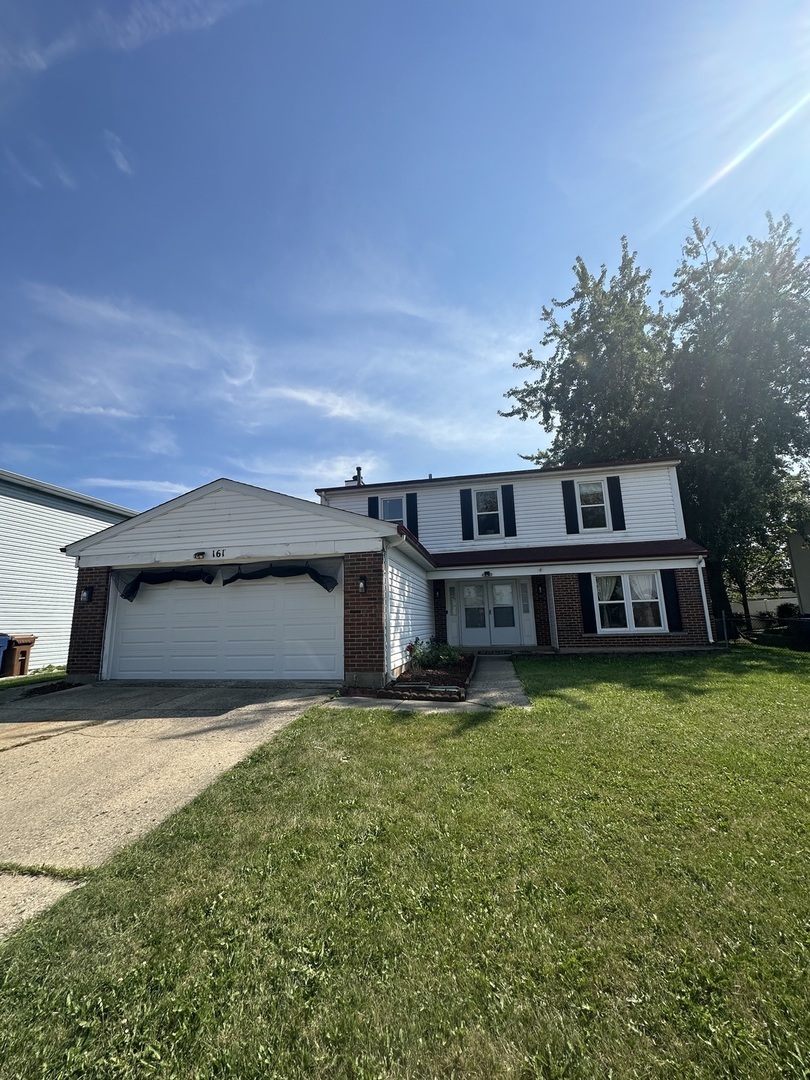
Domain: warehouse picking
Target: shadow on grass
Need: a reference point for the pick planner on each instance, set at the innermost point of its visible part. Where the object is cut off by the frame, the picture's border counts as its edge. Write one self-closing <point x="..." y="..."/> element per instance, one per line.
<point x="469" y="721"/>
<point x="679" y="677"/>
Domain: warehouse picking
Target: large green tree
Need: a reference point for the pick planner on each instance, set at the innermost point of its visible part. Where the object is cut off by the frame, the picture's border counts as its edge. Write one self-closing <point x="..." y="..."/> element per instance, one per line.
<point x="717" y="375"/>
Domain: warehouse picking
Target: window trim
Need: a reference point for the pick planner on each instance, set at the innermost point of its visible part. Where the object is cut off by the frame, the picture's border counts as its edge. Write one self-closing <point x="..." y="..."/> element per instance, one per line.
<point x="608" y="526"/>
<point x="631" y="628"/>
<point x="392" y="498"/>
<point x="491" y="535"/>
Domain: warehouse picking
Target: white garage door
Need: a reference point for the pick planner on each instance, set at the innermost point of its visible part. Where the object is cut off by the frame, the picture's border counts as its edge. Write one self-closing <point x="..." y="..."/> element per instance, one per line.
<point x="275" y="628"/>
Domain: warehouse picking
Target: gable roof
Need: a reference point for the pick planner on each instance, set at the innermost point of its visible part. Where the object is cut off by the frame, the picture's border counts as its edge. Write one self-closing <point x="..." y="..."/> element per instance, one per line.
<point x="273" y="498"/>
<point x="27" y="483"/>
<point x="470" y="478"/>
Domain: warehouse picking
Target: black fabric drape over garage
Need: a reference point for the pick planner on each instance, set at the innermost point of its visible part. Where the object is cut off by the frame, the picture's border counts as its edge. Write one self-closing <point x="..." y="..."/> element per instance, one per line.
<point x="323" y="572"/>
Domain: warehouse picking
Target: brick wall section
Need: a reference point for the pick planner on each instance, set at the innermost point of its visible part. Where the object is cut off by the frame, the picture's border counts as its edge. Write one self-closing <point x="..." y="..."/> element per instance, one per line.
<point x="540" y="601"/>
<point x="89" y="620"/>
<point x="440" y="611"/>
<point x="364" y="620"/>
<point x="569" y="619"/>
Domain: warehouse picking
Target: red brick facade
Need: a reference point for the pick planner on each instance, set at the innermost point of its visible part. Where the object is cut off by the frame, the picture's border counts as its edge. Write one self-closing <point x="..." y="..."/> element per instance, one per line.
<point x="572" y="637"/>
<point x="89" y="621"/>
<point x="364" y="620"/>
<point x="540" y="601"/>
<point x="439" y="611"/>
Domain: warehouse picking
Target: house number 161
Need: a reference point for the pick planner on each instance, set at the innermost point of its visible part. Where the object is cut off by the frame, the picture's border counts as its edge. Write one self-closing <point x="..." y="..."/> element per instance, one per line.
<point x="218" y="553"/>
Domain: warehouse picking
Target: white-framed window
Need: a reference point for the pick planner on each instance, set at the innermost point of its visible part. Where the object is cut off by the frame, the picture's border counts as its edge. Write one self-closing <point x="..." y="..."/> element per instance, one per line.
<point x="592" y="505"/>
<point x="487" y="511"/>
<point x="632" y="601"/>
<point x="391" y="510"/>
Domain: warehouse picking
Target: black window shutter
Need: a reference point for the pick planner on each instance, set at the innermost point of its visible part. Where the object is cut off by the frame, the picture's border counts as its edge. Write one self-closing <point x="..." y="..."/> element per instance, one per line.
<point x="616" y="504"/>
<point x="671" y="601"/>
<point x="411" y="515"/>
<point x="570" y="504"/>
<point x="467" y="531"/>
<point x="586" y="599"/>
<point x="508" y="504"/>
<point x="373" y="506"/>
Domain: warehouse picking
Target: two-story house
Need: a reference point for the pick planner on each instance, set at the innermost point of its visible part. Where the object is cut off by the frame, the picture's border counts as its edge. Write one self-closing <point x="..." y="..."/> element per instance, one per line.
<point x="567" y="559"/>
<point x="37" y="584"/>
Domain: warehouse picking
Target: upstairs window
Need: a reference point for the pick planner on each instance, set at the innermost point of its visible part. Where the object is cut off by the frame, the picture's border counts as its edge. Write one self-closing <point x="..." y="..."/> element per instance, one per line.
<point x="391" y="510"/>
<point x="487" y="512"/>
<point x="592" y="504"/>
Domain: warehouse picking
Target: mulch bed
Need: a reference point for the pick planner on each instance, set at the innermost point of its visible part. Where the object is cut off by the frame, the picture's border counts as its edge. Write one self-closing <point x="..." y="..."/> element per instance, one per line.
<point x="452" y="683"/>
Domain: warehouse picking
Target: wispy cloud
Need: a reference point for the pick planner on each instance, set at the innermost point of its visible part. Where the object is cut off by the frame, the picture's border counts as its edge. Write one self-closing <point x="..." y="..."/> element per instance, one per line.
<point x="17" y="171"/>
<point x="161" y="487"/>
<point x="300" y="475"/>
<point x="47" y="169"/>
<point x="100" y="410"/>
<point x="114" y="28"/>
<point x="115" y="148"/>
<point x="352" y="395"/>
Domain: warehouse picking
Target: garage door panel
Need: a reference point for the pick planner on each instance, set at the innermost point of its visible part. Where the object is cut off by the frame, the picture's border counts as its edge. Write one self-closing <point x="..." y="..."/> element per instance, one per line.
<point x="269" y="629"/>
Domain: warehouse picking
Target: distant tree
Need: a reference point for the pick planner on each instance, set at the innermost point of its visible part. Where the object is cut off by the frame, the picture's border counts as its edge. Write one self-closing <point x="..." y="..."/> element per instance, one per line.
<point x="720" y="379"/>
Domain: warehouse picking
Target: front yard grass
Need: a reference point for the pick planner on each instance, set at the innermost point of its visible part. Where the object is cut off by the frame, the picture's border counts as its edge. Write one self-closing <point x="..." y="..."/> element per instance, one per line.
<point x="613" y="883"/>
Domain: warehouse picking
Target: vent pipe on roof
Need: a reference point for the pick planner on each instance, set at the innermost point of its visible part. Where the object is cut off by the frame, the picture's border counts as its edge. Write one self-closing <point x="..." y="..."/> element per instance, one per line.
<point x="357" y="480"/>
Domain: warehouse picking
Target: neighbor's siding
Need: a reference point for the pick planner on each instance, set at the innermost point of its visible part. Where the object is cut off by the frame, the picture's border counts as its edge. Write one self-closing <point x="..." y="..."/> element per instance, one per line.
<point x="38" y="582"/>
<point x="649" y="496"/>
<point x="410" y="608"/>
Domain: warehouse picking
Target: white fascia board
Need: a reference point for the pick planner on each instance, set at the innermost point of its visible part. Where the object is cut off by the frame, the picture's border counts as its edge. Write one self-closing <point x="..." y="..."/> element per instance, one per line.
<point x="676" y="499"/>
<point x="522" y="570"/>
<point x="407" y="549"/>
<point x="183" y="557"/>
<point x="330" y="513"/>
<point x="606" y="566"/>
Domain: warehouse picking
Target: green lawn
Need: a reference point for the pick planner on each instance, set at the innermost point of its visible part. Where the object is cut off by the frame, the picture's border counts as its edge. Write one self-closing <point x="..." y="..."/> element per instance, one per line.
<point x="611" y="884"/>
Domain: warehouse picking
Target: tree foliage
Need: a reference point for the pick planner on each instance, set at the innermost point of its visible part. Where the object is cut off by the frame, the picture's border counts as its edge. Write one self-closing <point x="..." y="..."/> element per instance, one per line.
<point x="717" y="374"/>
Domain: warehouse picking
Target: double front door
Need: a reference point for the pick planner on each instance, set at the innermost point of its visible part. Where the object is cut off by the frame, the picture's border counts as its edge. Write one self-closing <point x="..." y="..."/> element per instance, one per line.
<point x="489" y="612"/>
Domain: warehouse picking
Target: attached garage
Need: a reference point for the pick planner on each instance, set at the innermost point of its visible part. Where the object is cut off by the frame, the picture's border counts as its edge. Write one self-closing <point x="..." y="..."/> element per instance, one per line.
<point x="231" y="581"/>
<point x="275" y="628"/>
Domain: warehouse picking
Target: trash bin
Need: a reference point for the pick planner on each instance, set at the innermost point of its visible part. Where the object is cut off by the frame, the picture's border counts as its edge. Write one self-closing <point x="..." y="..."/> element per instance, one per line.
<point x="3" y="643"/>
<point x="16" y="655"/>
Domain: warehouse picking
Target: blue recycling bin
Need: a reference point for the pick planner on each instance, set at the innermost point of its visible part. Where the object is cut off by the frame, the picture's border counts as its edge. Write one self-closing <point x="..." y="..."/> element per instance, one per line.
<point x="4" y="639"/>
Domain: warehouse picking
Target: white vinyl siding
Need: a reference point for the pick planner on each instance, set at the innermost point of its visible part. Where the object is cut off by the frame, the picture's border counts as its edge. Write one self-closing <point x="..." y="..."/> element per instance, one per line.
<point x="38" y="582"/>
<point x="649" y="495"/>
<point x="241" y="525"/>
<point x="410" y="607"/>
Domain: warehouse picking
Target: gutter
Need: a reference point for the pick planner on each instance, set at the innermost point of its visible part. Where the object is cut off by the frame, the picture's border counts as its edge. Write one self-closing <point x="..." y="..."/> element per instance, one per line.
<point x="700" y="564"/>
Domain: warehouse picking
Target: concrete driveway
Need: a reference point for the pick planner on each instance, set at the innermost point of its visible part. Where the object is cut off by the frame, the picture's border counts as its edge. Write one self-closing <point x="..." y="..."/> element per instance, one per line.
<point x="83" y="772"/>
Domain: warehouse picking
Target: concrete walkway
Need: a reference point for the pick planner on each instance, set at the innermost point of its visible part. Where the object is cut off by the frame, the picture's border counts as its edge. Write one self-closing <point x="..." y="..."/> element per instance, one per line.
<point x="494" y="686"/>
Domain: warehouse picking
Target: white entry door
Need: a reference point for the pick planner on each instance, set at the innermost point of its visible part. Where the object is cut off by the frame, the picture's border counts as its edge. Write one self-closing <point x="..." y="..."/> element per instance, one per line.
<point x="489" y="613"/>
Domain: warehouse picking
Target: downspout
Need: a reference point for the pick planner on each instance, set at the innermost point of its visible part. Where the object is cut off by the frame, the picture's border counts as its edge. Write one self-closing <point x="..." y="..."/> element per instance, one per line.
<point x="388" y="542"/>
<point x="700" y="564"/>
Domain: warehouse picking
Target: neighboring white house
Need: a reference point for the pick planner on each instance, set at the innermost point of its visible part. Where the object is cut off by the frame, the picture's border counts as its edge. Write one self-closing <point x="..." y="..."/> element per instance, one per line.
<point x="799" y="551"/>
<point x="231" y="581"/>
<point x="37" y="582"/>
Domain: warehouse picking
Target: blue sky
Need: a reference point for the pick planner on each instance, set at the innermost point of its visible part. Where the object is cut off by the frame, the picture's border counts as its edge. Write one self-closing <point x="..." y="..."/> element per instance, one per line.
<point x="274" y="241"/>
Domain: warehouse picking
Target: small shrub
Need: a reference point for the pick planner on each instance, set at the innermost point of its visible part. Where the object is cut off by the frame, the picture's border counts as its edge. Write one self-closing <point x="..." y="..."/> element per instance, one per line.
<point x="432" y="654"/>
<point x="787" y="611"/>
